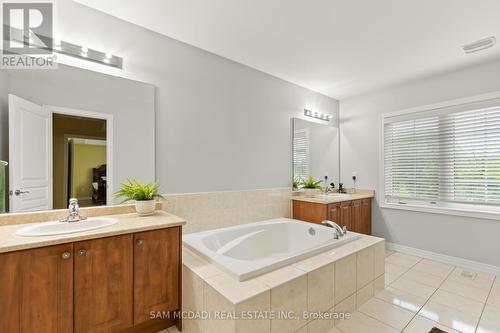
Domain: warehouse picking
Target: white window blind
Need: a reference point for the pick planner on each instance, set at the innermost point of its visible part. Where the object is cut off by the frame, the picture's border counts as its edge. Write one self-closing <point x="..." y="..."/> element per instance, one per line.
<point x="446" y="155"/>
<point x="301" y="153"/>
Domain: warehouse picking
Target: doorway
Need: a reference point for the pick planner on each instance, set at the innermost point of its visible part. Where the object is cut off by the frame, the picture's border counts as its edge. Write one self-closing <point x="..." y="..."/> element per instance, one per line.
<point x="79" y="160"/>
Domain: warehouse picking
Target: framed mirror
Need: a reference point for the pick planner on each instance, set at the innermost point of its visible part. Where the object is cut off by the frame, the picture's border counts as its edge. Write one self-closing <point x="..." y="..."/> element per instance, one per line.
<point x="315" y="152"/>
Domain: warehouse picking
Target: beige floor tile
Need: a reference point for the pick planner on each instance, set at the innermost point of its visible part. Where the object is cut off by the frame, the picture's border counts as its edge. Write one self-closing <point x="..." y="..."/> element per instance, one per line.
<point x="434" y="267"/>
<point x="387" y="313"/>
<point x="361" y="323"/>
<point x="407" y="300"/>
<point x="490" y="320"/>
<point x="420" y="324"/>
<point x="494" y="297"/>
<point x="402" y="259"/>
<point x="413" y="287"/>
<point x="453" y="310"/>
<point x="344" y="309"/>
<point x="395" y="269"/>
<point x="390" y="278"/>
<point x="472" y="278"/>
<point x="466" y="290"/>
<point x="424" y="278"/>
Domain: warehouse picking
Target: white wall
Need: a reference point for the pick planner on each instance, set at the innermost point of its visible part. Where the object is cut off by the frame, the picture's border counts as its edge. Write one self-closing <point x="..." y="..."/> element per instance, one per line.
<point x="474" y="239"/>
<point x="219" y="125"/>
<point x="130" y="102"/>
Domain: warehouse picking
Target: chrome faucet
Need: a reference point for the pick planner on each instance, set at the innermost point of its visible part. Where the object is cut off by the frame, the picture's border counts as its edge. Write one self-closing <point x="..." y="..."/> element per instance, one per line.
<point x="337" y="230"/>
<point x="73" y="212"/>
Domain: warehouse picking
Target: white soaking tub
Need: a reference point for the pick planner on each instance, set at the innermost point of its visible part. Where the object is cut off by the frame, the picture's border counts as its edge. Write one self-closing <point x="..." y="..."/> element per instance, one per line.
<point x="248" y="250"/>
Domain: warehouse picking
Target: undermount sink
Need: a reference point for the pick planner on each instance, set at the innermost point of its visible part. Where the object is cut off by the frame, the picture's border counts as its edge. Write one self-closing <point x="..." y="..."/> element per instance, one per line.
<point x="60" y="228"/>
<point x="333" y="196"/>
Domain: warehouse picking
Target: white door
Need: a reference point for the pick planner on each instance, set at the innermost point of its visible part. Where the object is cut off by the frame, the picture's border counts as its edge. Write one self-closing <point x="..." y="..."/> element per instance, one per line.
<point x="30" y="156"/>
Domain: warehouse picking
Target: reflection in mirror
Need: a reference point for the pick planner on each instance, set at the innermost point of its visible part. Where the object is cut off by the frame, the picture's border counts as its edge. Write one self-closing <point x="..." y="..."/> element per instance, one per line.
<point x="66" y="133"/>
<point x="315" y="151"/>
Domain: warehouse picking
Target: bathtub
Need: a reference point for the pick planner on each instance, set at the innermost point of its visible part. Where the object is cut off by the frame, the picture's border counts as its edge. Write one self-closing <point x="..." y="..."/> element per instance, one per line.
<point x="248" y="250"/>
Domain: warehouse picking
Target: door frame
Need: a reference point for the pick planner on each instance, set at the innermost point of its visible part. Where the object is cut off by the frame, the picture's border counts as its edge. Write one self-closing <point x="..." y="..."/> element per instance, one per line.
<point x="66" y="154"/>
<point x="109" y="139"/>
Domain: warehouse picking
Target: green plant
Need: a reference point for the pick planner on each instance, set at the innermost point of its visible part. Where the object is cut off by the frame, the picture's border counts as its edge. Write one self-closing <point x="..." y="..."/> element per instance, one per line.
<point x="296" y="183"/>
<point x="133" y="190"/>
<point x="310" y="183"/>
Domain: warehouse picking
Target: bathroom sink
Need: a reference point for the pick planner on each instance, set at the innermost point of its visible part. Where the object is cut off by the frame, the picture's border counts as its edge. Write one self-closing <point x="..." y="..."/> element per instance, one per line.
<point x="333" y="196"/>
<point x="60" y="228"/>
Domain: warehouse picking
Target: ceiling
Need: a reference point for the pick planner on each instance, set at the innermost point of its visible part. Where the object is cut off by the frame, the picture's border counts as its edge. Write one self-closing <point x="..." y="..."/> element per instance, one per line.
<point x="340" y="48"/>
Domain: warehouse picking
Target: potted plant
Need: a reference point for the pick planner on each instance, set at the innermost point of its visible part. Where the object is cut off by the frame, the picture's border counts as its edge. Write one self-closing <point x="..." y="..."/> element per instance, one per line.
<point x="311" y="187"/>
<point x="144" y="195"/>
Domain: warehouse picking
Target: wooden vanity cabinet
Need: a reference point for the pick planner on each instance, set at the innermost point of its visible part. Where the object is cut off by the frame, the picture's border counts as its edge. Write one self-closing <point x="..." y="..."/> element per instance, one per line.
<point x="157" y="263"/>
<point x="36" y="290"/>
<point x="354" y="214"/>
<point x="101" y="285"/>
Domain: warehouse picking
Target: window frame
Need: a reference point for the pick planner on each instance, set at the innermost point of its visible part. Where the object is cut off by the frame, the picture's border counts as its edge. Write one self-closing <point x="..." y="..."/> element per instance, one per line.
<point x="456" y="209"/>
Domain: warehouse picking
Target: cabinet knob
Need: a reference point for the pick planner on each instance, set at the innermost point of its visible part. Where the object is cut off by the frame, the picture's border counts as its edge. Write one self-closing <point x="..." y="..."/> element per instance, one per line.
<point x="65" y="255"/>
<point x="82" y="252"/>
<point x="140" y="242"/>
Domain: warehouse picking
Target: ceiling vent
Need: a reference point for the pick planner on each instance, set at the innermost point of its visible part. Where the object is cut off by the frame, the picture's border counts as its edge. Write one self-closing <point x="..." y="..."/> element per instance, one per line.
<point x="479" y="45"/>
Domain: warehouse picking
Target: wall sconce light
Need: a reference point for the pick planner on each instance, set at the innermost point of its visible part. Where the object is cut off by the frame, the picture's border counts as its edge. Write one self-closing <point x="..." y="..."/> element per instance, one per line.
<point x="317" y="115"/>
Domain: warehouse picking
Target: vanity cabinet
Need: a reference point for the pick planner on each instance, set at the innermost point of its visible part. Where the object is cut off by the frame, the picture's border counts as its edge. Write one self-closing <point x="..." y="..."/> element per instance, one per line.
<point x="106" y="284"/>
<point x="36" y="290"/>
<point x="103" y="284"/>
<point x="354" y="214"/>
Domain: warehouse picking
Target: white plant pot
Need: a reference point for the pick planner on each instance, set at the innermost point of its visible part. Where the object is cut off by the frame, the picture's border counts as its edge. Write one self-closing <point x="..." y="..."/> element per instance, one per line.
<point x="145" y="207"/>
<point x="311" y="192"/>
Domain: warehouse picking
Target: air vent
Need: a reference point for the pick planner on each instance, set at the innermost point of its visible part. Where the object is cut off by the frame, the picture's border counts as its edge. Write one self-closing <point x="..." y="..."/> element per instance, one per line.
<point x="480" y="45"/>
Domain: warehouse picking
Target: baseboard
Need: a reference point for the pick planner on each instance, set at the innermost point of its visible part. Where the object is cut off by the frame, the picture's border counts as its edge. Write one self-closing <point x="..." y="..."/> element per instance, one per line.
<point x="465" y="263"/>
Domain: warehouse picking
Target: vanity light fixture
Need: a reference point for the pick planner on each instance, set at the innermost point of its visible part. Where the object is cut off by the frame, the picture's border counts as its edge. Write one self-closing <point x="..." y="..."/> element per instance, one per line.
<point x="73" y="50"/>
<point x="317" y="115"/>
<point x="479" y="45"/>
<point x="86" y="53"/>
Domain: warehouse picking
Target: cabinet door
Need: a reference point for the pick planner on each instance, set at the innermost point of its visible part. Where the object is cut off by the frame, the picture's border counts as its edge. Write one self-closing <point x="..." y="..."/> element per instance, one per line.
<point x="36" y="290"/>
<point x="346" y="215"/>
<point x="103" y="284"/>
<point x="156" y="272"/>
<point x="309" y="211"/>
<point x="334" y="213"/>
<point x="366" y="216"/>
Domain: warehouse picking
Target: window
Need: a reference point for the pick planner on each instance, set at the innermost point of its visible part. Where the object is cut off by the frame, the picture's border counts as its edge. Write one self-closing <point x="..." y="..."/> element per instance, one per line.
<point x="301" y="153"/>
<point x="444" y="157"/>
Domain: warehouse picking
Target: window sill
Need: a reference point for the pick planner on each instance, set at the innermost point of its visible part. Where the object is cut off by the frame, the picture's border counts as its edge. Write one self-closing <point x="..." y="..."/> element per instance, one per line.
<point x="473" y="211"/>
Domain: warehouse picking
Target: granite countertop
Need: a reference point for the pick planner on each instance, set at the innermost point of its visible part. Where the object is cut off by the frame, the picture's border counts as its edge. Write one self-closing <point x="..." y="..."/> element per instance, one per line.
<point x="127" y="223"/>
<point x="359" y="194"/>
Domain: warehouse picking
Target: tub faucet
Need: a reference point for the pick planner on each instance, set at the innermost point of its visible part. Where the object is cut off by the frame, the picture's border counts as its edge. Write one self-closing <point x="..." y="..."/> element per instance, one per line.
<point x="338" y="231"/>
<point x="73" y="212"/>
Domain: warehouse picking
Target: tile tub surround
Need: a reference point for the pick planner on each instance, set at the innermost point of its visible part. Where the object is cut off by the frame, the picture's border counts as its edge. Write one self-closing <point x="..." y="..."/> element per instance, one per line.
<point x="212" y="210"/>
<point x="329" y="281"/>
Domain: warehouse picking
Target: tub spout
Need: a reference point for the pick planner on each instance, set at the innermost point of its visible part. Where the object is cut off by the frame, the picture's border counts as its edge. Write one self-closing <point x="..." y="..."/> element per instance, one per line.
<point x="337" y="229"/>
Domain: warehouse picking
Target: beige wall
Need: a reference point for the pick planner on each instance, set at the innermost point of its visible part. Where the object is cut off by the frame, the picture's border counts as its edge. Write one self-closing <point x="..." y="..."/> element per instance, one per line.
<point x="85" y="158"/>
<point x="75" y="126"/>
